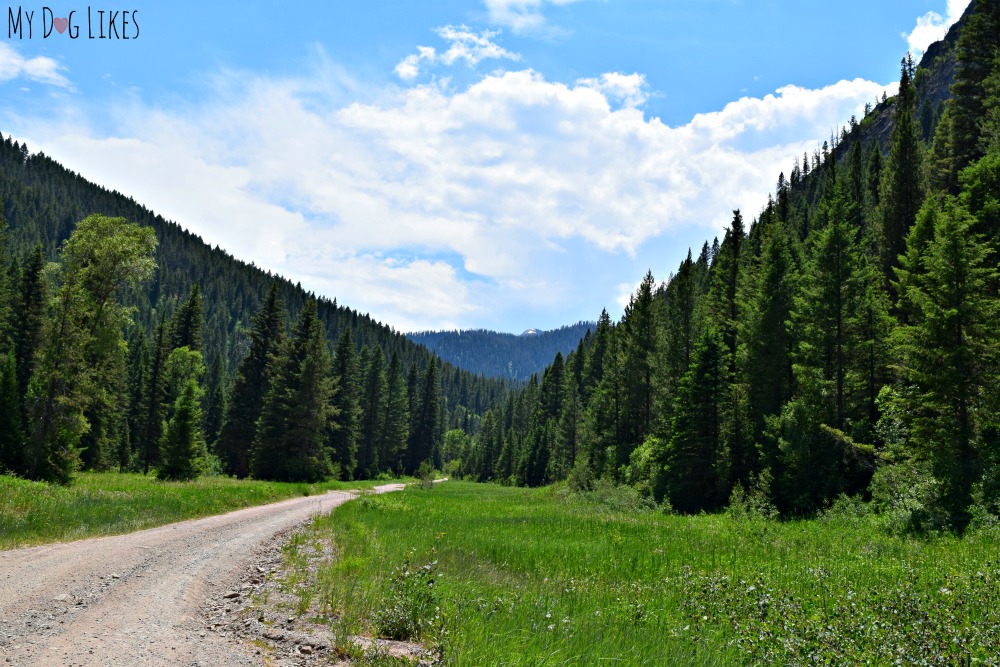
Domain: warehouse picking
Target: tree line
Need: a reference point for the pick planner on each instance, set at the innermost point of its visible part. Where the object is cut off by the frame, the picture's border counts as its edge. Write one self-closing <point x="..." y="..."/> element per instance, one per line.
<point x="845" y="342"/>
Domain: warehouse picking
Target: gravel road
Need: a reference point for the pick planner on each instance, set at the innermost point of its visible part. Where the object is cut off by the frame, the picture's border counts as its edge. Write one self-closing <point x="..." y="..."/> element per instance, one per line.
<point x="136" y="600"/>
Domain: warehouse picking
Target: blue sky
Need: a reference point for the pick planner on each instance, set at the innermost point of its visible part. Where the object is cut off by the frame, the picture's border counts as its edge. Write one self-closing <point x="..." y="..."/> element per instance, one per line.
<point x="502" y="164"/>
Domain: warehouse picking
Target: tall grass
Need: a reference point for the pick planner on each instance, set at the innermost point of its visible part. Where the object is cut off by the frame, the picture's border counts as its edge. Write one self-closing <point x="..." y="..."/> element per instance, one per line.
<point x="538" y="577"/>
<point x="114" y="503"/>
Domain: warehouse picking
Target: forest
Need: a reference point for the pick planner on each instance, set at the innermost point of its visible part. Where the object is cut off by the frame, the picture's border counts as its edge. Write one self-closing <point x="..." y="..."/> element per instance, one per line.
<point x="129" y="344"/>
<point x="842" y="344"/>
<point x="504" y="355"/>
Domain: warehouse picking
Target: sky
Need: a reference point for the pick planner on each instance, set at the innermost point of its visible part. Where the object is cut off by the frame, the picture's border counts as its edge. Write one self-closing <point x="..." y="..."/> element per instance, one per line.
<point x="498" y="164"/>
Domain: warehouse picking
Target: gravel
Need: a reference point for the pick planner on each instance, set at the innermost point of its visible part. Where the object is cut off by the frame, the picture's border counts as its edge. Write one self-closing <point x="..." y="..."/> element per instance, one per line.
<point x="139" y="600"/>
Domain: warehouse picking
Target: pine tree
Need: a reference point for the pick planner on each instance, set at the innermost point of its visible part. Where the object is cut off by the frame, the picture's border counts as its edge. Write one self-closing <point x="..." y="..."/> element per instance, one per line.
<point x="373" y="406"/>
<point x="189" y="322"/>
<point x="253" y="380"/>
<point x="31" y="316"/>
<point x="948" y="354"/>
<point x="975" y="56"/>
<point x="102" y="257"/>
<point x="343" y="436"/>
<point x="154" y="395"/>
<point x="693" y="479"/>
<point x="397" y="418"/>
<point x="12" y="445"/>
<point x="423" y="438"/>
<point x="215" y="401"/>
<point x="292" y="429"/>
<point x="902" y="190"/>
<point x="182" y="447"/>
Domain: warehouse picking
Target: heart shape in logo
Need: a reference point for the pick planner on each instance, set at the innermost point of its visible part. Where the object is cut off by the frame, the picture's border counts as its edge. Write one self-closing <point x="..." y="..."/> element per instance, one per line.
<point x="60" y="25"/>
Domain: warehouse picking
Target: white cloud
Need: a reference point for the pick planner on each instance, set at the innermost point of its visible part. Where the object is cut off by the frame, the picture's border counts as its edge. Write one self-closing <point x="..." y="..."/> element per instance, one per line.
<point x="430" y="207"/>
<point x="932" y="27"/>
<point x="629" y="89"/>
<point x="40" y="68"/>
<point x="523" y="16"/>
<point x="463" y="44"/>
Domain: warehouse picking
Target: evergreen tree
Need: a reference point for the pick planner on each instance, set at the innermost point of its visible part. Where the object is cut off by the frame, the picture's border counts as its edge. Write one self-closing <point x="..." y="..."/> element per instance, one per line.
<point x="902" y="190"/>
<point x="425" y="426"/>
<point x="182" y="447"/>
<point x="12" y="445"/>
<point x="101" y="258"/>
<point x="397" y="418"/>
<point x="693" y="478"/>
<point x="253" y="380"/>
<point x="189" y="322"/>
<point x="154" y="395"/>
<point x="975" y="56"/>
<point x="343" y="436"/>
<point x="31" y="314"/>
<point x="948" y="354"/>
<point x="292" y="429"/>
<point x="215" y="401"/>
<point x="373" y="406"/>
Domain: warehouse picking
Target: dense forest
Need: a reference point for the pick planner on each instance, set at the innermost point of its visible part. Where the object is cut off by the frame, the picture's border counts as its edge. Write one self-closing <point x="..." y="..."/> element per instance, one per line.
<point x="502" y="355"/>
<point x="843" y="343"/>
<point x="129" y="343"/>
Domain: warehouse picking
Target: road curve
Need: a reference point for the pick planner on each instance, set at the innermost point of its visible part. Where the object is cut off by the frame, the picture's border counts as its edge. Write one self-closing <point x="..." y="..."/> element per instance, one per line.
<point x="135" y="600"/>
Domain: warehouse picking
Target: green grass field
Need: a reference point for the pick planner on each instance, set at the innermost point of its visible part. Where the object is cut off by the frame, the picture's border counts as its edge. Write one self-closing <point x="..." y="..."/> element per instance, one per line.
<point x="115" y="503"/>
<point x="503" y="576"/>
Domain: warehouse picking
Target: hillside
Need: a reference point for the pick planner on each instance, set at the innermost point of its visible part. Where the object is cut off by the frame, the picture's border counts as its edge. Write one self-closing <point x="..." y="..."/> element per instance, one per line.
<point x="842" y="342"/>
<point x="43" y="202"/>
<point x="502" y="355"/>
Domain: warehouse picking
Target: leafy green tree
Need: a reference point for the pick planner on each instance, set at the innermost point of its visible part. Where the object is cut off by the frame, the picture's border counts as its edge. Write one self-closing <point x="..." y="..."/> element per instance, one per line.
<point x="102" y="257"/>
<point x="253" y="380"/>
<point x="291" y="431"/>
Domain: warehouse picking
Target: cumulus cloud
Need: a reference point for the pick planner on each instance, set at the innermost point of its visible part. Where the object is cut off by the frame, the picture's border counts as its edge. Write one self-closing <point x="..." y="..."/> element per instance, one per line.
<point x="524" y="16"/>
<point x="628" y="89"/>
<point x="932" y="27"/>
<point x="463" y="44"/>
<point x="438" y="208"/>
<point x="40" y="68"/>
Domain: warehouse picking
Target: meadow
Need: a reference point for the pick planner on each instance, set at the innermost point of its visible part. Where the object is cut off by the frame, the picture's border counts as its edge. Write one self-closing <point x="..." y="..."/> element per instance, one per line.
<point x="115" y="503"/>
<point x="490" y="575"/>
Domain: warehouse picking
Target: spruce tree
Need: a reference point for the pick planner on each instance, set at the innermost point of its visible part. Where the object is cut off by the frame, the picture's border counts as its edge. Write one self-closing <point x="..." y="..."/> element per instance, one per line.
<point x="948" y="354"/>
<point x="188" y="322"/>
<point x="396" y="424"/>
<point x="291" y="431"/>
<point x="373" y="406"/>
<point x="253" y="380"/>
<point x="182" y="447"/>
<point x="423" y="439"/>
<point x="343" y="435"/>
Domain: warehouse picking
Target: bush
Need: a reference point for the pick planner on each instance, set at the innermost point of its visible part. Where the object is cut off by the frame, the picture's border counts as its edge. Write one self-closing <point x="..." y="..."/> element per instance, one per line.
<point x="410" y="610"/>
<point x="908" y="498"/>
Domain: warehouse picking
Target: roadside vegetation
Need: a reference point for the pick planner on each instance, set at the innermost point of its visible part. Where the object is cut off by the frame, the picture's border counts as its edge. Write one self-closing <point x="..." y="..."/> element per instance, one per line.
<point x="115" y="503"/>
<point x="490" y="575"/>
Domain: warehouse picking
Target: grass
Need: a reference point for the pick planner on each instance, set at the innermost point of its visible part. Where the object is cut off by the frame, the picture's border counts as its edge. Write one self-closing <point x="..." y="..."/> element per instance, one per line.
<point x="114" y="503"/>
<point x="501" y="576"/>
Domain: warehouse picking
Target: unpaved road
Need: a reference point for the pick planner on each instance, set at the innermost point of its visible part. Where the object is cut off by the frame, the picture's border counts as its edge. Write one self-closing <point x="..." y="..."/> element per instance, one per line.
<point x="135" y="600"/>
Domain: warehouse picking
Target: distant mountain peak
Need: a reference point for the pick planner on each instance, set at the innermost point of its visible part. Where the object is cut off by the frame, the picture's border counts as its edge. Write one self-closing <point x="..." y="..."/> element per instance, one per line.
<point x="531" y="332"/>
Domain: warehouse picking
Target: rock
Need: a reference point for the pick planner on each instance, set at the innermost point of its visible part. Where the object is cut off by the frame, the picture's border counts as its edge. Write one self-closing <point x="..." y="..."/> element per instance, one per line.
<point x="65" y="597"/>
<point x="305" y="650"/>
<point x="231" y="594"/>
<point x="115" y="576"/>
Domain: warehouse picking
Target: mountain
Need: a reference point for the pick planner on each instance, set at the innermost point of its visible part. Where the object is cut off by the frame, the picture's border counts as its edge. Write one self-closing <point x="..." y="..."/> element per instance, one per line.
<point x="502" y="355"/>
<point x="42" y="203"/>
<point x="842" y="342"/>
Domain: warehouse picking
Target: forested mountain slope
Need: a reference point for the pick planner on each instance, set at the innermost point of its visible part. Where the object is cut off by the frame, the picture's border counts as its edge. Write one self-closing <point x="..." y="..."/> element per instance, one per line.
<point x="502" y="355"/>
<point x="844" y="341"/>
<point x="42" y="202"/>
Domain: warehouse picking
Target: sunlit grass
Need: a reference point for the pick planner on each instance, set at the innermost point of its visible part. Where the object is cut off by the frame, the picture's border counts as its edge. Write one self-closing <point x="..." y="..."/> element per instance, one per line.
<point x="114" y="503"/>
<point x="537" y="577"/>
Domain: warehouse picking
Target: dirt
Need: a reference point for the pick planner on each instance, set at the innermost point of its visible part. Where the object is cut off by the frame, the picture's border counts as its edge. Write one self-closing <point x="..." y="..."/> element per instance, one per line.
<point x="151" y="597"/>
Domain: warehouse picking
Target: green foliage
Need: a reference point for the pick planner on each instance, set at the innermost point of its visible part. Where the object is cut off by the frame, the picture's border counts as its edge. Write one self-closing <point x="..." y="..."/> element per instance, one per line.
<point x="183" y="448"/>
<point x="291" y="431"/>
<point x="411" y="606"/>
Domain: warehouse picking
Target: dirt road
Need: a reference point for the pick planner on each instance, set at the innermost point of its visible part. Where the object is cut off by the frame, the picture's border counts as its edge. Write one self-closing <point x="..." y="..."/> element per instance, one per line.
<point x="135" y="600"/>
